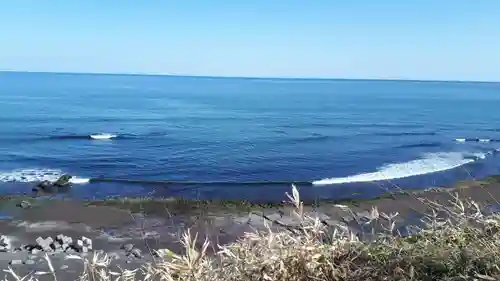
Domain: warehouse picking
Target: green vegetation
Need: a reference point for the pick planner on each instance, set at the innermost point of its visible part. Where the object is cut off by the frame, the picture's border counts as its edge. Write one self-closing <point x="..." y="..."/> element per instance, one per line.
<point x="149" y="205"/>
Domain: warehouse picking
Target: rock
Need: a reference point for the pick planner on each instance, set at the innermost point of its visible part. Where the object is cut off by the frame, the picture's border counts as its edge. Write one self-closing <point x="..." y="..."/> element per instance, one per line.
<point x="64" y="246"/>
<point x="49" y="240"/>
<point x="35" y="251"/>
<point x="58" y="247"/>
<point x="69" y="250"/>
<point x="16" y="262"/>
<point x="45" y="244"/>
<point x="78" y="246"/>
<point x="4" y="240"/>
<point x="24" y="204"/>
<point x="63" y="181"/>
<point x="127" y="247"/>
<point x="74" y="248"/>
<point x="136" y="253"/>
<point x="61" y="184"/>
<point x="82" y="245"/>
<point x="44" y="184"/>
<point x="87" y="242"/>
<point x="150" y="235"/>
<point x="5" y="244"/>
<point x="62" y="239"/>
<point x="114" y="256"/>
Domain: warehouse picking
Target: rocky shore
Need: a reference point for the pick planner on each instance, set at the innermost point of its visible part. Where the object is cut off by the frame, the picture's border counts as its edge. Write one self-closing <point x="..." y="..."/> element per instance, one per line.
<point x="130" y="230"/>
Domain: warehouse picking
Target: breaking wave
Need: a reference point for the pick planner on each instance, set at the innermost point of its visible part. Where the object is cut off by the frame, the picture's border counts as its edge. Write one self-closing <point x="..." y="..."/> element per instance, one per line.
<point x="476" y="140"/>
<point x="103" y="136"/>
<point x="402" y="134"/>
<point x="420" y="145"/>
<point x="89" y="137"/>
<point x="37" y="175"/>
<point x="429" y="163"/>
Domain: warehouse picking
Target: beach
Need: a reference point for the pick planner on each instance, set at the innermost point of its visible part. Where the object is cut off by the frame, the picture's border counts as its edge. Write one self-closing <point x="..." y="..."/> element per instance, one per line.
<point x="150" y="224"/>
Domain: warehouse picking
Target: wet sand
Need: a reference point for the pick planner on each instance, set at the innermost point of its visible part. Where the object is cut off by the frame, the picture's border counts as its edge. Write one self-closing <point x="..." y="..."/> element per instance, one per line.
<point x="159" y="223"/>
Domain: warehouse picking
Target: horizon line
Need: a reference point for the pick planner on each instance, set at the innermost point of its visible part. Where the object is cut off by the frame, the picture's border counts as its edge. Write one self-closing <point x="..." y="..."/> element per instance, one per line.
<point x="248" y="77"/>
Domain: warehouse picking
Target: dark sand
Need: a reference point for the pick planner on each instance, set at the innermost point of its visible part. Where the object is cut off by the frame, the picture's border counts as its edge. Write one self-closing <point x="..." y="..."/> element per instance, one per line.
<point x="155" y="224"/>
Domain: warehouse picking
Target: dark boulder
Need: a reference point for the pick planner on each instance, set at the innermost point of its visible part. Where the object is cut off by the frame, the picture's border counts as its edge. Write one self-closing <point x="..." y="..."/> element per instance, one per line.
<point x="24" y="204"/>
<point x="62" y="181"/>
<point x="62" y="184"/>
<point x="44" y="184"/>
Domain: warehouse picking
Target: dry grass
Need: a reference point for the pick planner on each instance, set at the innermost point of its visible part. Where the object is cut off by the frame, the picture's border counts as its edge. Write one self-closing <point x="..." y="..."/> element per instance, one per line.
<point x="458" y="244"/>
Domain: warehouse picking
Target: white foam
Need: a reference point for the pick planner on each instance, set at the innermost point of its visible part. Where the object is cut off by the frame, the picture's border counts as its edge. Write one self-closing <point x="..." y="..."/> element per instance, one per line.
<point x="77" y="180"/>
<point x="37" y="175"/>
<point x="460" y="140"/>
<point x="102" y="136"/>
<point x="484" y="140"/>
<point x="30" y="175"/>
<point x="429" y="163"/>
<point x="481" y="155"/>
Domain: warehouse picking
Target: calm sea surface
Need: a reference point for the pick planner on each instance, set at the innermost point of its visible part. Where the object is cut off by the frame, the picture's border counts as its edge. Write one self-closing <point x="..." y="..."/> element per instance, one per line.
<point x="348" y="137"/>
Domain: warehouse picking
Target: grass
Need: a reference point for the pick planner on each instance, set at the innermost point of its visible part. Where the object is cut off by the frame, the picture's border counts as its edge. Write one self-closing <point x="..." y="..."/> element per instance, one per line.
<point x="150" y="205"/>
<point x="458" y="242"/>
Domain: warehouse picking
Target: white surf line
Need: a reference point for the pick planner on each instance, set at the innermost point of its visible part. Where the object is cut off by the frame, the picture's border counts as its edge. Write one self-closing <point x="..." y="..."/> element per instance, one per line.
<point x="77" y="180"/>
<point x="37" y="175"/>
<point x="428" y="164"/>
<point x="476" y="140"/>
<point x="103" y="136"/>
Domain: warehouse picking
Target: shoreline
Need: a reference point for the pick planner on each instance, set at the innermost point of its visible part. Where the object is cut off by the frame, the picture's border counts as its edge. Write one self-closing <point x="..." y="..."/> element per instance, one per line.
<point x="150" y="224"/>
<point x="244" y="205"/>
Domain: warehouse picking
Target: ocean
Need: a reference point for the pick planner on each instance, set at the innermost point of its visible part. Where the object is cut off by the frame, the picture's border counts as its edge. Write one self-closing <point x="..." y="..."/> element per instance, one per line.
<point x="231" y="137"/>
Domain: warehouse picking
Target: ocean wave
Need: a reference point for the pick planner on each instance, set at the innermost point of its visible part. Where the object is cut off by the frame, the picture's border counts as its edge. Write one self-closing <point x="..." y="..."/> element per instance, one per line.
<point x="476" y="140"/>
<point x="351" y="125"/>
<point x="429" y="163"/>
<point x="421" y="145"/>
<point x="315" y="137"/>
<point x="402" y="134"/>
<point x="103" y="136"/>
<point x="89" y="137"/>
<point x="37" y="175"/>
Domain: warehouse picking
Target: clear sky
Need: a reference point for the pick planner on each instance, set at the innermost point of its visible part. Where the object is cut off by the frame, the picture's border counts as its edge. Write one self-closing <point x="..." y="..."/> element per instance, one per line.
<point x="420" y="39"/>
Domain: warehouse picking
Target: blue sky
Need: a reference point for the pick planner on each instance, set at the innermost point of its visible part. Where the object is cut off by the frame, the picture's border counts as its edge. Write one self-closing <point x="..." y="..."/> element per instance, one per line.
<point x="421" y="39"/>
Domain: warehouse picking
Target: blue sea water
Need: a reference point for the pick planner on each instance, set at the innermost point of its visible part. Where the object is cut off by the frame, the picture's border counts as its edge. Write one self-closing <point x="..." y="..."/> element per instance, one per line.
<point x="349" y="137"/>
